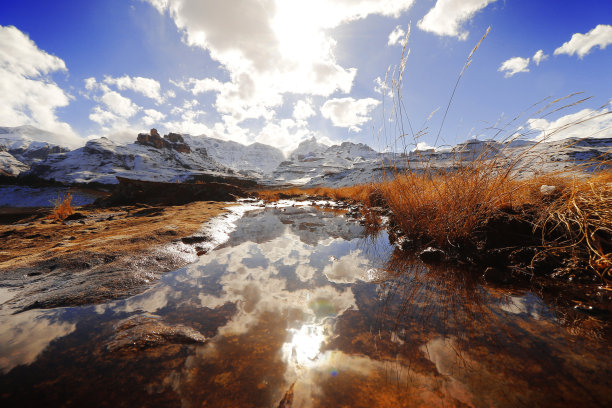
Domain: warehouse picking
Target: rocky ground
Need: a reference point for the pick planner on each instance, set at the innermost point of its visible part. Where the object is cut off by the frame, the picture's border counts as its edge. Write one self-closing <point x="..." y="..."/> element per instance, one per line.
<point x="96" y="254"/>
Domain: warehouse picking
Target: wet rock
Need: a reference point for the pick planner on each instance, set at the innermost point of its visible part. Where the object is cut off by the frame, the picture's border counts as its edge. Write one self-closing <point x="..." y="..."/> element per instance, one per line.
<point x="195" y="239"/>
<point x="497" y="275"/>
<point x="404" y="243"/>
<point x="432" y="255"/>
<point x="147" y="331"/>
<point x="522" y="256"/>
<point x="287" y="401"/>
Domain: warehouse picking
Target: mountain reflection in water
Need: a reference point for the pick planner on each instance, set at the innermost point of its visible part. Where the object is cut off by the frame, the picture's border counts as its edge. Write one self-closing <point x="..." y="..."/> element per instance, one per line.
<point x="299" y="306"/>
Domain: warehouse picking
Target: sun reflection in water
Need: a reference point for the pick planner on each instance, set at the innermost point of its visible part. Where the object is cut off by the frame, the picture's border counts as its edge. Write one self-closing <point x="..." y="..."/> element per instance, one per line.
<point x="305" y="346"/>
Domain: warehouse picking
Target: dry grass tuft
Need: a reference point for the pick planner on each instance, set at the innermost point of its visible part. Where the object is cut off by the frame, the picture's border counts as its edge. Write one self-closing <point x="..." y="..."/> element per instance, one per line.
<point x="359" y="193"/>
<point x="62" y="208"/>
<point x="579" y="223"/>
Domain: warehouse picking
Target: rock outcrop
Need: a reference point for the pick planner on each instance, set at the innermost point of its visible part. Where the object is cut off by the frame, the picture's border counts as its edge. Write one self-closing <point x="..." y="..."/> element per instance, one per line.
<point x="169" y="141"/>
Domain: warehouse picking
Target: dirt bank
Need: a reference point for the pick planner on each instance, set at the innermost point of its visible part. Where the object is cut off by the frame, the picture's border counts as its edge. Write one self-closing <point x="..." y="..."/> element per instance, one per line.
<point x="96" y="254"/>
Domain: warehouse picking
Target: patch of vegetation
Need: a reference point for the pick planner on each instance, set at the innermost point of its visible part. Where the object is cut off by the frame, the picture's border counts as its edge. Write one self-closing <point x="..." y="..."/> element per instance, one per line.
<point x="62" y="208"/>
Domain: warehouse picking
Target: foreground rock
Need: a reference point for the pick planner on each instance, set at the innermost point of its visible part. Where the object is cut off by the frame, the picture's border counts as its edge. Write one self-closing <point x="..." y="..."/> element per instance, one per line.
<point x="147" y="331"/>
<point x="105" y="254"/>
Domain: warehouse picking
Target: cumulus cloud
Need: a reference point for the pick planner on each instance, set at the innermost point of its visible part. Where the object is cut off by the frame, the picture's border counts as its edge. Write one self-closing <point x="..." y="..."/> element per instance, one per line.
<point x="582" y="44"/>
<point x="585" y="123"/>
<point x="101" y="117"/>
<point x="146" y="86"/>
<point x="513" y="66"/>
<point x="152" y="117"/>
<point x="539" y="56"/>
<point x="28" y="95"/>
<point x="284" y="134"/>
<point x="302" y="110"/>
<point x="349" y="112"/>
<point x="119" y="104"/>
<point x="397" y="36"/>
<point x="448" y="16"/>
<point x="271" y="47"/>
<point x="114" y="110"/>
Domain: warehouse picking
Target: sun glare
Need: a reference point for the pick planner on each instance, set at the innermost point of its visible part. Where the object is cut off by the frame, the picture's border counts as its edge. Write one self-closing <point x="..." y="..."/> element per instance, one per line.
<point x="305" y="346"/>
<point x="298" y="33"/>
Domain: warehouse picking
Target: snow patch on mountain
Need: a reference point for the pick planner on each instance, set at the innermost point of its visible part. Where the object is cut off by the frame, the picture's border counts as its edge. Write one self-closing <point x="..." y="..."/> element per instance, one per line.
<point x="9" y="165"/>
<point x="257" y="157"/>
<point x="101" y="160"/>
<point x="308" y="149"/>
<point x="25" y="136"/>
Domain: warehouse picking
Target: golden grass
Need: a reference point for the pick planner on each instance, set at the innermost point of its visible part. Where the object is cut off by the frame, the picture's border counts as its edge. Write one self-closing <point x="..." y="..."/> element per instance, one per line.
<point x="359" y="193"/>
<point x="447" y="208"/>
<point x="579" y="222"/>
<point x="62" y="208"/>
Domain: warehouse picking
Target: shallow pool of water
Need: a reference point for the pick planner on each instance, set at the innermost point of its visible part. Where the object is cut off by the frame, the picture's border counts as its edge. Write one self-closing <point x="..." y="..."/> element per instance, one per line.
<point x="298" y="308"/>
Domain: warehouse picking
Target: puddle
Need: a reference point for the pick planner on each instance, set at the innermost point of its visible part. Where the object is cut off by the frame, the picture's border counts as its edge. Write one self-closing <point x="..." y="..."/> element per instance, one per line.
<point x="298" y="307"/>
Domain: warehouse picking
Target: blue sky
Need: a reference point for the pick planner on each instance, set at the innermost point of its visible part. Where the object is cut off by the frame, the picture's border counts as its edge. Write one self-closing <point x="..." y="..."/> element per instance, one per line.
<point x="281" y="71"/>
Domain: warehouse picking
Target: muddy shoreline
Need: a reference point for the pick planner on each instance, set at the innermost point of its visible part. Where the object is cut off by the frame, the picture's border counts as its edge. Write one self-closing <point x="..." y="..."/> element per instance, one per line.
<point x="97" y="254"/>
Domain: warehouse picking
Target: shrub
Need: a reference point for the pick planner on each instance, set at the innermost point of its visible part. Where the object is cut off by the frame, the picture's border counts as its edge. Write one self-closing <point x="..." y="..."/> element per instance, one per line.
<point x="62" y="207"/>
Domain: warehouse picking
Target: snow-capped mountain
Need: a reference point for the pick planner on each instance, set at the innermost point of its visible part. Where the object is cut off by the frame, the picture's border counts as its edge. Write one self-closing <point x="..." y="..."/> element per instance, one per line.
<point x="9" y="165"/>
<point x="23" y="136"/>
<point x="29" y="144"/>
<point x="308" y="149"/>
<point x="176" y="157"/>
<point x="312" y="162"/>
<point x="100" y="160"/>
<point x="256" y="157"/>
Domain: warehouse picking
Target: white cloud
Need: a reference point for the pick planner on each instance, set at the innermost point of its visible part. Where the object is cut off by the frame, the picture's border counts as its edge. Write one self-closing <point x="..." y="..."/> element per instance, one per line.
<point x="116" y="103"/>
<point x="539" y="56"/>
<point x="119" y="104"/>
<point x="152" y="117"/>
<point x="585" y="123"/>
<point x="284" y="134"/>
<point x="271" y="47"/>
<point x="205" y="85"/>
<point x="90" y="83"/>
<point x="146" y="86"/>
<point x="581" y="44"/>
<point x="28" y="95"/>
<point x="349" y="112"/>
<point x="303" y="110"/>
<point x="381" y="87"/>
<point x="448" y="16"/>
<point x="397" y="36"/>
<point x="113" y="113"/>
<point x="101" y="117"/>
<point x="422" y="146"/>
<point x="514" y="66"/>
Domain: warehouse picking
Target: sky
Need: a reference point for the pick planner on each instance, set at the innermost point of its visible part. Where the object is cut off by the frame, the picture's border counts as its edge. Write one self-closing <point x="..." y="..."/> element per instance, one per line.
<point x="282" y="71"/>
